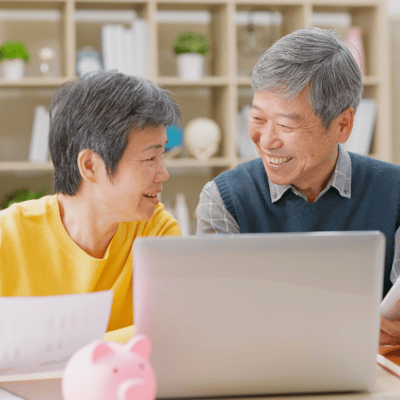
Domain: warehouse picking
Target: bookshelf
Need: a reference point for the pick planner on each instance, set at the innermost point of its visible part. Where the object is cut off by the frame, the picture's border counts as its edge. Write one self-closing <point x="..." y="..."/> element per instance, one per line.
<point x="67" y="25"/>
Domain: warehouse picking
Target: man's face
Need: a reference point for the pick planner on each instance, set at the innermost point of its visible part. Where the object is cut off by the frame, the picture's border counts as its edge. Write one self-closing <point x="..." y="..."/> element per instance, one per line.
<point x="294" y="146"/>
<point x="132" y="194"/>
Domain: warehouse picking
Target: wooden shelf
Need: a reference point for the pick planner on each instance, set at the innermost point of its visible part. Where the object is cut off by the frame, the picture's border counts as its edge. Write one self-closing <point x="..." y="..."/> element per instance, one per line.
<point x="20" y="166"/>
<point x="162" y="80"/>
<point x="206" y="81"/>
<point x="34" y="82"/>
<point x="195" y="163"/>
<point x="15" y="166"/>
<point x="243" y="80"/>
<point x="371" y="81"/>
<point x="217" y="95"/>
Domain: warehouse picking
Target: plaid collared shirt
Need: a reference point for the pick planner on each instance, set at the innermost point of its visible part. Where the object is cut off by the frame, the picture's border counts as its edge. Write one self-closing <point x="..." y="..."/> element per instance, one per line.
<point x="213" y="217"/>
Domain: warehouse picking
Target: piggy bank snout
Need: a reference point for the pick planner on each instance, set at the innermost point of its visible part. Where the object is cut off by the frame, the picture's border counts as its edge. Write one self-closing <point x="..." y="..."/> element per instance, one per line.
<point x="133" y="389"/>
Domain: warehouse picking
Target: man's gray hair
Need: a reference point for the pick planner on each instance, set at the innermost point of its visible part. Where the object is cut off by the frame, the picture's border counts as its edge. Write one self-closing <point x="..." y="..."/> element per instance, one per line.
<point x="318" y="60"/>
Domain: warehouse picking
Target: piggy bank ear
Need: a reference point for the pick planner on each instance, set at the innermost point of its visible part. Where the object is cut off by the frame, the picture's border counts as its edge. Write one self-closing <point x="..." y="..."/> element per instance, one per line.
<point x="101" y="350"/>
<point x="141" y="345"/>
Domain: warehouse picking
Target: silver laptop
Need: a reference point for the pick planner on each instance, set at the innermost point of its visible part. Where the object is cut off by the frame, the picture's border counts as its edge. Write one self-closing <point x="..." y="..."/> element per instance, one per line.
<point x="260" y="313"/>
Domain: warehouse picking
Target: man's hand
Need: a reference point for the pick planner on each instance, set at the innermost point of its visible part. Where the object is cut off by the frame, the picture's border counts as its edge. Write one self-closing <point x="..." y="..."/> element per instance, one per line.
<point x="390" y="331"/>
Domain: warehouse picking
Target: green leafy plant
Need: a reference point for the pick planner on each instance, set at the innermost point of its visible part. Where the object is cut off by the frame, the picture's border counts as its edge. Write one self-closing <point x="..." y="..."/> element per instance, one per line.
<point x="20" y="195"/>
<point x="191" y="42"/>
<point x="12" y="50"/>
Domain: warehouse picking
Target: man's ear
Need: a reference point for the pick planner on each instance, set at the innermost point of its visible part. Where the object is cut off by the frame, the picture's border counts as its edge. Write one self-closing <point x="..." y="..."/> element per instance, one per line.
<point x="345" y="124"/>
<point x="89" y="164"/>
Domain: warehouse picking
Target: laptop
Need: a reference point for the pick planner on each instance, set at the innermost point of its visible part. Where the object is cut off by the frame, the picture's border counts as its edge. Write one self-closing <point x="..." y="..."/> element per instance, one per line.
<point x="257" y="314"/>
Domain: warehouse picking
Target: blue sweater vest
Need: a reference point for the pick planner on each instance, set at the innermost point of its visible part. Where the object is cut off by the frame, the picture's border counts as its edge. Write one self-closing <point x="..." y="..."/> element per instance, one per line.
<point x="374" y="203"/>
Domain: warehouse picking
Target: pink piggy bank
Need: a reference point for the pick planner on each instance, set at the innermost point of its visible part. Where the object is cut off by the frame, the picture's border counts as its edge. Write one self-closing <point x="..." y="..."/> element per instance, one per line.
<point x="110" y="371"/>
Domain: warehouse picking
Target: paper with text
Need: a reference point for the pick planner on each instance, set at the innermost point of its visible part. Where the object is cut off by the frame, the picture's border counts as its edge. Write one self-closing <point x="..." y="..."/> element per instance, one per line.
<point x="39" y="334"/>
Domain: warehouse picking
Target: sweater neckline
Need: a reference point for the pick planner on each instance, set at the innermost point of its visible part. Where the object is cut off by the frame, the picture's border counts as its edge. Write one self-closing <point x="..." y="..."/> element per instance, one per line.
<point x="68" y="245"/>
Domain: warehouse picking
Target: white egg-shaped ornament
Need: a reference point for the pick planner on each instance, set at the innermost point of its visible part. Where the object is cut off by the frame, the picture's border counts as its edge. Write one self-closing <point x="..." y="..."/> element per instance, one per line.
<point x="202" y="137"/>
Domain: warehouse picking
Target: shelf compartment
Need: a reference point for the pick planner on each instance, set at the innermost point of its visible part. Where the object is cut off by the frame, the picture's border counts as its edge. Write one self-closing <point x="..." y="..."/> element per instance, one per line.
<point x="210" y="20"/>
<point x="38" y="25"/>
<point x="91" y="16"/>
<point x="206" y="102"/>
<point x="342" y="17"/>
<point x="17" y="107"/>
<point x="258" y="26"/>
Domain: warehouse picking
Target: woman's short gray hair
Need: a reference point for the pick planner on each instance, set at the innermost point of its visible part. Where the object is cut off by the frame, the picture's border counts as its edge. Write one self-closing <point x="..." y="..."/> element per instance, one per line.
<point x="317" y="59"/>
<point x="99" y="112"/>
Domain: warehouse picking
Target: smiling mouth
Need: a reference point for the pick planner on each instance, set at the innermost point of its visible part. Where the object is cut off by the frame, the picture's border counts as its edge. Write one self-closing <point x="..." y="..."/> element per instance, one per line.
<point x="278" y="160"/>
<point x="151" y="196"/>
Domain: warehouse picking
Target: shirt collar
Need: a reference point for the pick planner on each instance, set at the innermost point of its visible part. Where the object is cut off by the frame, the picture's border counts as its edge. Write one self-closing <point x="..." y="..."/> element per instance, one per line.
<point x="340" y="179"/>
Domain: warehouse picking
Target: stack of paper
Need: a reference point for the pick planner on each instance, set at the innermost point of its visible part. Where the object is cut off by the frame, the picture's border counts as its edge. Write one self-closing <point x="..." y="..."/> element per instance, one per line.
<point x="126" y="49"/>
<point x="39" y="148"/>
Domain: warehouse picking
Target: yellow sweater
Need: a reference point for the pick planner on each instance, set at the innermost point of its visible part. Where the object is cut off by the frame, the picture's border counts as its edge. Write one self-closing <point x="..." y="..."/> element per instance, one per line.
<point x="38" y="258"/>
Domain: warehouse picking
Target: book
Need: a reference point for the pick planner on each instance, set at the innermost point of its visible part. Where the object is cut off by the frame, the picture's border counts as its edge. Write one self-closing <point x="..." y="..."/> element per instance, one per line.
<point x="126" y="49"/>
<point x="106" y="47"/>
<point x="39" y="148"/>
<point x="119" y="45"/>
<point x="360" y="139"/>
<point x="141" y="47"/>
<point x="129" y="53"/>
<point x="111" y="48"/>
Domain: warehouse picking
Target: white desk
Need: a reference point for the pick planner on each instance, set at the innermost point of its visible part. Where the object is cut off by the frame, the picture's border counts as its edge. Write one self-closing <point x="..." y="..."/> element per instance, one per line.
<point x="387" y="388"/>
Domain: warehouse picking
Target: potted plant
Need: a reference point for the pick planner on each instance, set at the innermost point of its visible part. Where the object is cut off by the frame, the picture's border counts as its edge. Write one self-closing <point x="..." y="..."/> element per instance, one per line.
<point x="190" y="48"/>
<point x="14" y="55"/>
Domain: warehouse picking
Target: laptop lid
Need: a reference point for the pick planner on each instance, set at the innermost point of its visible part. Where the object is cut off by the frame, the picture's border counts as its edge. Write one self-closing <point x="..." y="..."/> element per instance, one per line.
<point x="260" y="313"/>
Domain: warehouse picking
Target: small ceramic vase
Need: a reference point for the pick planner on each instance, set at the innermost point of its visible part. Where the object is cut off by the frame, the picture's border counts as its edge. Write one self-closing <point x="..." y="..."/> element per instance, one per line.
<point x="13" y="70"/>
<point x="190" y="66"/>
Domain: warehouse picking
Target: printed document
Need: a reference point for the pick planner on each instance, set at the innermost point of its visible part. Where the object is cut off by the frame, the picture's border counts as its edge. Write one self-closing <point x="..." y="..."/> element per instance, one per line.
<point x="40" y="334"/>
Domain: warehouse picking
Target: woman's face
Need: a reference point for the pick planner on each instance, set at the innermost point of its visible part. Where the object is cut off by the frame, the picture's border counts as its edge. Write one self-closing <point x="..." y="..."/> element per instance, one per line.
<point x="132" y="193"/>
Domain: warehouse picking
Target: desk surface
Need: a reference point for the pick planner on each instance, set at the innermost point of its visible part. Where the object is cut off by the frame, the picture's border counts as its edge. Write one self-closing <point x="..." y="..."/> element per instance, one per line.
<point x="387" y="388"/>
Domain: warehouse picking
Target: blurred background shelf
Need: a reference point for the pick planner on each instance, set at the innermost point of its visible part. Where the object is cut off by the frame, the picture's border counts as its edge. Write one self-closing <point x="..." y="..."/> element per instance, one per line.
<point x="33" y="82"/>
<point x="67" y="26"/>
<point x="21" y="166"/>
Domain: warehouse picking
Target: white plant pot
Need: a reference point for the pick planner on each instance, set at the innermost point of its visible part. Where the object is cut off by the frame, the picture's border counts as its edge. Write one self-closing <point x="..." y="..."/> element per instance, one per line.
<point x="190" y="66"/>
<point x="13" y="70"/>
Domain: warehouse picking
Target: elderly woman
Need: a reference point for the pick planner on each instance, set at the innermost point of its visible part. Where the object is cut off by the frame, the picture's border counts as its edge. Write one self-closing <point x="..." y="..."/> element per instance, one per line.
<point x="107" y="140"/>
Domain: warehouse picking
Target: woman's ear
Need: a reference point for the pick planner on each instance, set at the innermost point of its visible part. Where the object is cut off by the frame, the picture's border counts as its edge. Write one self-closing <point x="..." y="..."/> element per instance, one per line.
<point x="345" y="120"/>
<point x="89" y="164"/>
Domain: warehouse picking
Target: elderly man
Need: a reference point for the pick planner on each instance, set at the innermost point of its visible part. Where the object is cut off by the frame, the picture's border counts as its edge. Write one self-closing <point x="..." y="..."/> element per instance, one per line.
<point x="306" y="87"/>
<point x="107" y="140"/>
